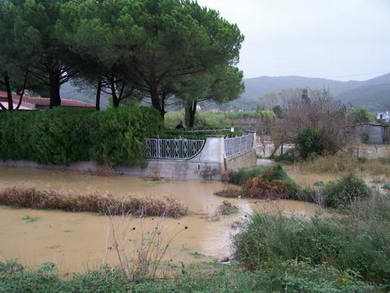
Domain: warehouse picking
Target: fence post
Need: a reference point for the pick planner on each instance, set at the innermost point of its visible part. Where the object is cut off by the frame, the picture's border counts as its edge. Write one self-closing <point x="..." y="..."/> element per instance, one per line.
<point x="158" y="149"/>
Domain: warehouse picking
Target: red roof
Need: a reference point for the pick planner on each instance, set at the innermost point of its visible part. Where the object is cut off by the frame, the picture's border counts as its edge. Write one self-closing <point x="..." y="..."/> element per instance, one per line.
<point x="39" y="101"/>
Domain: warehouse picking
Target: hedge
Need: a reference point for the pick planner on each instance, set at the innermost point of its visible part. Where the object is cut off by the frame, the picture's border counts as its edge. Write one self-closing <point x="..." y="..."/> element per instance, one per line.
<point x="63" y="135"/>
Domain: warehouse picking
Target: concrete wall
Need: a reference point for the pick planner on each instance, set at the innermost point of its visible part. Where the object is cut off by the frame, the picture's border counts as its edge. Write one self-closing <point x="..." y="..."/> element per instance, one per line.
<point x="241" y="161"/>
<point x="210" y="164"/>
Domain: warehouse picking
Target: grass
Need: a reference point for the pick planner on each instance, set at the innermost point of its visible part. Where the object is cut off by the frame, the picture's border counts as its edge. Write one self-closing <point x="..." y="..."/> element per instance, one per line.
<point x="288" y="277"/>
<point x="341" y="164"/>
<point x="358" y="243"/>
<point x="49" y="200"/>
<point x="218" y="120"/>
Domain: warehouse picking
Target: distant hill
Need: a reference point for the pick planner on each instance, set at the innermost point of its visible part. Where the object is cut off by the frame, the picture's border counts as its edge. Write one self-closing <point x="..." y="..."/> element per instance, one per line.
<point x="373" y="94"/>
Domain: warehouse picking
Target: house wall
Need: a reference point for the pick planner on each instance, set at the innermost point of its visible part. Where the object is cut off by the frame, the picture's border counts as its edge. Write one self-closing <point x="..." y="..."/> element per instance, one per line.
<point x="372" y="134"/>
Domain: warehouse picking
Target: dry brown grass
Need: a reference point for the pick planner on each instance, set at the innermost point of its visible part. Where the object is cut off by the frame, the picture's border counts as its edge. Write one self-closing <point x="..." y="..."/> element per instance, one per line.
<point x="50" y="200"/>
<point x="342" y="164"/>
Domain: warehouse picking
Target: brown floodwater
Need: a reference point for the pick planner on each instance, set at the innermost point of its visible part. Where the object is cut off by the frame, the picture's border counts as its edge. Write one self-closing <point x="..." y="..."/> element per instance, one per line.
<point x="81" y="241"/>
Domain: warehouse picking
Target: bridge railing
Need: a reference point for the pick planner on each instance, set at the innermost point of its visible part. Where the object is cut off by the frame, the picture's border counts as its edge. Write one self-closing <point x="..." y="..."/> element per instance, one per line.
<point x="238" y="145"/>
<point x="174" y="149"/>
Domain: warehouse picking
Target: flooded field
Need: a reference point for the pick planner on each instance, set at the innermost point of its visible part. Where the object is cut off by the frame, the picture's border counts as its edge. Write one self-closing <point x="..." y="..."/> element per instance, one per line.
<point x="80" y="241"/>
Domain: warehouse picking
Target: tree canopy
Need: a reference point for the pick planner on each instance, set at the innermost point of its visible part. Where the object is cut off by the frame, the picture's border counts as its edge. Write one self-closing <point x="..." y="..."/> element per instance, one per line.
<point x="39" y="19"/>
<point x="17" y="53"/>
<point x="125" y="48"/>
<point x="147" y="45"/>
<point x="221" y="84"/>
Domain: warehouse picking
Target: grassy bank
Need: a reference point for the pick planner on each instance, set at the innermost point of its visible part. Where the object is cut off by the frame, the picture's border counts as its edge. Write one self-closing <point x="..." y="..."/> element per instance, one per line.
<point x="288" y="277"/>
<point x="94" y="203"/>
<point x="358" y="242"/>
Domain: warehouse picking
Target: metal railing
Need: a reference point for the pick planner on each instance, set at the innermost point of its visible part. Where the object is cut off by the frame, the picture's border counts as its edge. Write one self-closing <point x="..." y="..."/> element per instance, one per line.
<point x="238" y="145"/>
<point x="178" y="149"/>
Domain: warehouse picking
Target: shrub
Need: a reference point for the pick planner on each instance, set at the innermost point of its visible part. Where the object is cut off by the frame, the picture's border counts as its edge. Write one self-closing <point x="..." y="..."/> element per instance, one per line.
<point x="274" y="183"/>
<point x="198" y="134"/>
<point x="241" y="176"/>
<point x="346" y="190"/>
<point x="34" y="199"/>
<point x="339" y="243"/>
<point x="263" y="183"/>
<point x="63" y="136"/>
<point x="288" y="157"/>
<point x="121" y="134"/>
<point x="308" y="142"/>
<point x="263" y="189"/>
<point x="275" y="173"/>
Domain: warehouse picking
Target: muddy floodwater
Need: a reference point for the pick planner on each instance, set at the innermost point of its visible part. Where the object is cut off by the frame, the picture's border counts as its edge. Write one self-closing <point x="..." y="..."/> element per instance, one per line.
<point x="81" y="241"/>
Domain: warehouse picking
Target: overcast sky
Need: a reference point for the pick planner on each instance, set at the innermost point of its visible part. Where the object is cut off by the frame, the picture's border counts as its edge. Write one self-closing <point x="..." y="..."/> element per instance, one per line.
<point x="338" y="39"/>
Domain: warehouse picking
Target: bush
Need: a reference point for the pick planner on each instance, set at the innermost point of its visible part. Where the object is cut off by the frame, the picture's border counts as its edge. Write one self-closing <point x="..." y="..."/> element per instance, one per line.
<point x="274" y="183"/>
<point x="63" y="136"/>
<point x="198" y="134"/>
<point x="275" y="173"/>
<point x="346" y="245"/>
<point x="121" y="132"/>
<point x="346" y="190"/>
<point x="288" y="157"/>
<point x="34" y="199"/>
<point x="308" y="142"/>
<point x="241" y="176"/>
<point x="263" y="189"/>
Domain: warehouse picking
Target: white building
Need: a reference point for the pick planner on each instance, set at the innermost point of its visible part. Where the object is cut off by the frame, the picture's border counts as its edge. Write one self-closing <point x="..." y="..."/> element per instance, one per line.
<point x="383" y="116"/>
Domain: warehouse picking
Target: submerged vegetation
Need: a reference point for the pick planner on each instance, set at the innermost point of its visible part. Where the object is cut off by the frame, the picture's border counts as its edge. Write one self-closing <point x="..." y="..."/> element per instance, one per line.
<point x="101" y="204"/>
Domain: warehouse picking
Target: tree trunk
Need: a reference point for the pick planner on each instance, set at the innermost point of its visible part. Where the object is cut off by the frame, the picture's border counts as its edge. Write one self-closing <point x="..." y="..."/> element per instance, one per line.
<point x="98" y="94"/>
<point x="7" y="84"/>
<point x="115" y="99"/>
<point x="22" y="91"/>
<point x="157" y="102"/>
<point x="55" y="87"/>
<point x="190" y="111"/>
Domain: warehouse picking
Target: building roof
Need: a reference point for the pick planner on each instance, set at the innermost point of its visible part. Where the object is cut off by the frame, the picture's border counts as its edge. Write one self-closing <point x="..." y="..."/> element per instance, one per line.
<point x="34" y="102"/>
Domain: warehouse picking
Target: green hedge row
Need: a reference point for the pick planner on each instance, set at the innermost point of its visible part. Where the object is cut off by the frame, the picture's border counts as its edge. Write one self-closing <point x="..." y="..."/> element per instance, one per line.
<point x="62" y="136"/>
